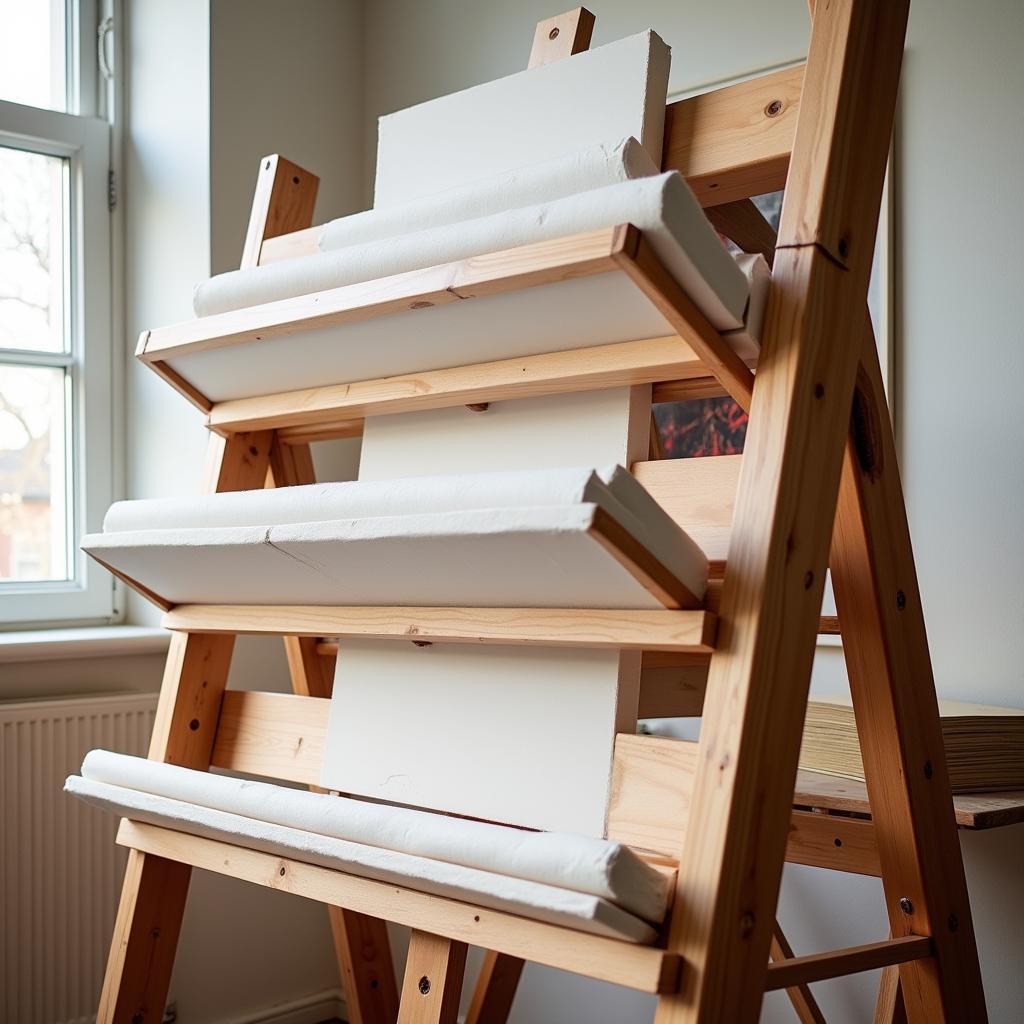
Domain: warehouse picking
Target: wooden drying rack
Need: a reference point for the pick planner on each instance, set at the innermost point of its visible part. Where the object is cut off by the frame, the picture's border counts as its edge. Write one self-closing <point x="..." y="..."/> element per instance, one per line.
<point x="812" y="475"/>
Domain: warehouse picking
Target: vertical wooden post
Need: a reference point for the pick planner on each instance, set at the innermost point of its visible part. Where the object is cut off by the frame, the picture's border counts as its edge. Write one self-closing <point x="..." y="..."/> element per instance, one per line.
<point x="495" y="989"/>
<point x="154" y="890"/>
<point x="433" y="980"/>
<point x="758" y="681"/>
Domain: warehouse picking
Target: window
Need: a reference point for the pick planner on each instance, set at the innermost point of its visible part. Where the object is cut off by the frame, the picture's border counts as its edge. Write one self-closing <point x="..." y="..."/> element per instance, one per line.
<point x="56" y="326"/>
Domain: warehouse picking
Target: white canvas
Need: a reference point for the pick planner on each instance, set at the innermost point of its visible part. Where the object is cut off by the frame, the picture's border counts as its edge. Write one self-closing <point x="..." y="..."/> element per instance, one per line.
<point x="608" y="92"/>
<point x="595" y="866"/>
<point x="481" y="888"/>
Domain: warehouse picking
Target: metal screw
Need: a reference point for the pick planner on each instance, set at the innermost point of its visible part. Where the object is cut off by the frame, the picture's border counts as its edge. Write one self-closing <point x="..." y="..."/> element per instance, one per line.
<point x="281" y="872"/>
<point x="906" y="906"/>
<point x="901" y="600"/>
<point x="553" y="34"/>
<point x="747" y="922"/>
<point x="774" y="108"/>
<point x="424" y="985"/>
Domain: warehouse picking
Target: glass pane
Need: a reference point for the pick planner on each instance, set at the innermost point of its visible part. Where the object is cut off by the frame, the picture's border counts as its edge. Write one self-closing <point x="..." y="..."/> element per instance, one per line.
<point x="33" y="247"/>
<point x="34" y="526"/>
<point x="33" y="58"/>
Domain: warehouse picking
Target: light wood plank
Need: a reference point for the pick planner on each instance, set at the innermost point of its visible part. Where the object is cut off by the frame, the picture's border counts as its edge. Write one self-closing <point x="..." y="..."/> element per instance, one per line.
<point x="335" y="410"/>
<point x="735" y="142"/>
<point x="745" y="225"/>
<point x="834" y="842"/>
<point x="645" y="968"/>
<point x="305" y="242"/>
<point x="549" y="627"/>
<point x="495" y="990"/>
<point x="837" y="963"/>
<point x="804" y="1004"/>
<point x="889" y="1007"/>
<point x="433" y="980"/>
<point x="561" y="36"/>
<point x="758" y="681"/>
<point x="155" y="888"/>
<point x="283" y="202"/>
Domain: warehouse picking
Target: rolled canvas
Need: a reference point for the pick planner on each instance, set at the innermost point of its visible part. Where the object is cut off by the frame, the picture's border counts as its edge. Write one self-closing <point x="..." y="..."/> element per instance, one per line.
<point x="548" y="903"/>
<point x="595" y="866"/>
<point x="604" y="163"/>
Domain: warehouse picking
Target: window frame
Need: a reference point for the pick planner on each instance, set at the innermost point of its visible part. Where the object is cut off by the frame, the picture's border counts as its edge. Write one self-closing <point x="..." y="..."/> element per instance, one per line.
<point x="86" y="142"/>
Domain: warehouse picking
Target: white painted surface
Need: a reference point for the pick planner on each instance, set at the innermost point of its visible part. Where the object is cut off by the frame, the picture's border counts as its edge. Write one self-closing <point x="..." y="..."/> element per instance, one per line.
<point x="548" y="112"/>
<point x="589" y="428"/>
<point x="406" y="727"/>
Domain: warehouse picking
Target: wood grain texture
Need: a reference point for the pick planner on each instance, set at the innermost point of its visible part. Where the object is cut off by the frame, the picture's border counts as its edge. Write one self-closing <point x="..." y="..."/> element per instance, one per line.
<point x="804" y="970"/>
<point x="433" y="980"/>
<point x="666" y="630"/>
<point x="561" y="36"/>
<point x="734" y="143"/>
<point x="886" y="650"/>
<point x="758" y="681"/>
<point x="805" y="1006"/>
<point x="335" y="410"/>
<point x="889" y="1007"/>
<point x="283" y="201"/>
<point x="645" y="968"/>
<point x="745" y="225"/>
<point x="155" y="888"/>
<point x="495" y="990"/>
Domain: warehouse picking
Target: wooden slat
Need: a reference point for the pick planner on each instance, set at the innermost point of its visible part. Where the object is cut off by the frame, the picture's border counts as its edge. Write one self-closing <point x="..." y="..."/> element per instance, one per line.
<point x="889" y="1007"/>
<point x="805" y="1006"/>
<point x="549" y="627"/>
<point x="886" y="649"/>
<point x="495" y="989"/>
<point x="433" y="980"/>
<point x="744" y="224"/>
<point x="155" y="888"/>
<point x="559" y="259"/>
<point x="804" y="970"/>
<point x="644" y="968"/>
<point x="283" y="201"/>
<point x="291" y="246"/>
<point x="330" y="410"/>
<point x="730" y="869"/>
<point x="561" y="36"/>
<point x="734" y="143"/>
<point x="831" y="841"/>
<point x="640" y="263"/>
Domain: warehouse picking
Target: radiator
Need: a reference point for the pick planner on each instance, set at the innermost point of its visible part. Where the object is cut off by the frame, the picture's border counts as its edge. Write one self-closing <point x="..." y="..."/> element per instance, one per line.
<point x="60" y="871"/>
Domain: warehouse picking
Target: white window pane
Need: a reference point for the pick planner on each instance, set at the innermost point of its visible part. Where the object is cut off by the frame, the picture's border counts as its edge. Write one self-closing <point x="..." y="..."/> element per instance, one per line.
<point x="33" y="63"/>
<point x="34" y="526"/>
<point x="33" y="247"/>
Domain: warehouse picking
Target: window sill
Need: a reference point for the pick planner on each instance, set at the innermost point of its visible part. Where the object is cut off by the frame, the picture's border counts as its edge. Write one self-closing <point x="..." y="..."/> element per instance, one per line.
<point x="84" y="642"/>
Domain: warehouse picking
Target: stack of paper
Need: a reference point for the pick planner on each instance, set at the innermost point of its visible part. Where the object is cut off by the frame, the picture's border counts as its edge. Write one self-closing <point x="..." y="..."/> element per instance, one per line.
<point x="984" y="745"/>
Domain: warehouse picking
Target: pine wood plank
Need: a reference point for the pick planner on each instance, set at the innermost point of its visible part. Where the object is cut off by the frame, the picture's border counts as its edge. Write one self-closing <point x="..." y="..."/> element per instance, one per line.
<point x="758" y="681"/>
<point x="495" y="989"/>
<point x="745" y="225"/>
<point x="155" y="888"/>
<point x="804" y="1004"/>
<point x="561" y="36"/>
<point x="666" y="630"/>
<point x="645" y="968"/>
<point x="805" y="970"/>
<point x="433" y="980"/>
<point x="335" y="410"/>
<point x="283" y="202"/>
<point x="735" y="142"/>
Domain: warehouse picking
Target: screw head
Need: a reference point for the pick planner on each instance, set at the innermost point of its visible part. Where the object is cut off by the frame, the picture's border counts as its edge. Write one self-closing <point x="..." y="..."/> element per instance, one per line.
<point x="424" y="985"/>
<point x="906" y="906"/>
<point x="553" y="34"/>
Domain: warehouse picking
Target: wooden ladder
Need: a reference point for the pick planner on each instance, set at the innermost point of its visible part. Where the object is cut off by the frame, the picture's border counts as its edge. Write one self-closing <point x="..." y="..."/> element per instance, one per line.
<point x="819" y="488"/>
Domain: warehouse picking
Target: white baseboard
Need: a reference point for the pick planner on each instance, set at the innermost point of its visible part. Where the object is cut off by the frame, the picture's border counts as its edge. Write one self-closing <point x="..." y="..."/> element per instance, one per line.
<point x="310" y="1009"/>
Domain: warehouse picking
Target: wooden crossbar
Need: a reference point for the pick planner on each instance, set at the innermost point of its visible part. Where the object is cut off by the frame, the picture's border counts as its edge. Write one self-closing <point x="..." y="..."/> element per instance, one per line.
<point x="803" y="970"/>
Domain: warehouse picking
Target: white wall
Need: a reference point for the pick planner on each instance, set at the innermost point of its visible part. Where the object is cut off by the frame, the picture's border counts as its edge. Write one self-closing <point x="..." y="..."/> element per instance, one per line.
<point x="959" y="149"/>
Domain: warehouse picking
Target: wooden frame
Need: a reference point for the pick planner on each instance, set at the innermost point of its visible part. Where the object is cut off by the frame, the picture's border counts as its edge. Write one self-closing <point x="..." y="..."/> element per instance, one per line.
<point x="823" y="132"/>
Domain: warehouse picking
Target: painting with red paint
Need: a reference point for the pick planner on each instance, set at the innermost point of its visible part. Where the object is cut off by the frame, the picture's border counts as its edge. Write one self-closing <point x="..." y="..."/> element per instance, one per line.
<point x="709" y="426"/>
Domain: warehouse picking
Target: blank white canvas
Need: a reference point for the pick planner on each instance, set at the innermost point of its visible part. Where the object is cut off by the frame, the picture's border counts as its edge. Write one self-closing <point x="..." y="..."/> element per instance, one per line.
<point x="520" y="735"/>
<point x="609" y="92"/>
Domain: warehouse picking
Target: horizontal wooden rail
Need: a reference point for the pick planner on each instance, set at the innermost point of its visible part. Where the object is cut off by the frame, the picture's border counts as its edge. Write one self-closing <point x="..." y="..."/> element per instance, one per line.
<point x="659" y="630"/>
<point x="644" y="968"/>
<point x="837" y="963"/>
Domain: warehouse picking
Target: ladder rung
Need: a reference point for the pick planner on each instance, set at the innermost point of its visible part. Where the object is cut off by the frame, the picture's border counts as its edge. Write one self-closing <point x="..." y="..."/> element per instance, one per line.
<point x="803" y="970"/>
